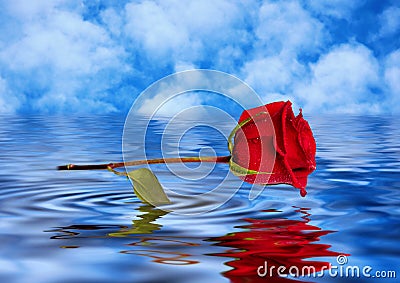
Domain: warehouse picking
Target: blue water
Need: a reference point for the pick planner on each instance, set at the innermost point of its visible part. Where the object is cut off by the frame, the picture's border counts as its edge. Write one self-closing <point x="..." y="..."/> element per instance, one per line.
<point x="77" y="226"/>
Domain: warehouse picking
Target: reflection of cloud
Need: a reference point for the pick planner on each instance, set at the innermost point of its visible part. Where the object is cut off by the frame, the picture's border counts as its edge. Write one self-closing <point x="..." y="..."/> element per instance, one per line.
<point x="63" y="56"/>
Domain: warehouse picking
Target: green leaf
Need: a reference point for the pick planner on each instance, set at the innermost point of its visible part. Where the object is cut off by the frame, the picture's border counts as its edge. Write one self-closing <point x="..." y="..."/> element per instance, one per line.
<point x="147" y="187"/>
<point x="241" y="171"/>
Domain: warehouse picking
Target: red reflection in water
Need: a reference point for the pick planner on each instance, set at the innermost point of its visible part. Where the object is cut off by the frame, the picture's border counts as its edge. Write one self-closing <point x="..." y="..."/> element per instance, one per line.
<point x="280" y="243"/>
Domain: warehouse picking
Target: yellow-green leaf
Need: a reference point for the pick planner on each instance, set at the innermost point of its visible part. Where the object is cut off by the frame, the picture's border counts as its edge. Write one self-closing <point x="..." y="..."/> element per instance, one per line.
<point x="241" y="171"/>
<point x="240" y="125"/>
<point x="147" y="187"/>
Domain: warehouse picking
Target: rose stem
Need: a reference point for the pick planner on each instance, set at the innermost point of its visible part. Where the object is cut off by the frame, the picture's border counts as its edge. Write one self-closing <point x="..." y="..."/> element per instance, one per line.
<point x="217" y="159"/>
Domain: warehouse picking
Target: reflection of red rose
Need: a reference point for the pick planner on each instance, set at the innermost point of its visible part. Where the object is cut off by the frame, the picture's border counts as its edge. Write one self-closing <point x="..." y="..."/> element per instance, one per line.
<point x="280" y="242"/>
<point x="281" y="146"/>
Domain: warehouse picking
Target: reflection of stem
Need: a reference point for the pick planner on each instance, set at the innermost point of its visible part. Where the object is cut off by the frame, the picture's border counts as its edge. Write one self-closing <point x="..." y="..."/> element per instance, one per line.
<point x="217" y="159"/>
<point x="164" y="257"/>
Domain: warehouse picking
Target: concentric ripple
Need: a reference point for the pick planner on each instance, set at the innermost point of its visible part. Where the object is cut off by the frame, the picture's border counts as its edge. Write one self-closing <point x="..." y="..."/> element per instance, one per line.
<point x="59" y="226"/>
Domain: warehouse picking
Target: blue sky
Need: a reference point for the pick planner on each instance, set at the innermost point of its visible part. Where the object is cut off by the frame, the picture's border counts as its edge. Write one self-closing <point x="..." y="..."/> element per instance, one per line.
<point x="335" y="56"/>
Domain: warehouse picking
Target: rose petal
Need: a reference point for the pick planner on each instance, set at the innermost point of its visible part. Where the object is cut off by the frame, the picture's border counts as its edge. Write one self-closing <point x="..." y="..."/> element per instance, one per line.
<point x="279" y="146"/>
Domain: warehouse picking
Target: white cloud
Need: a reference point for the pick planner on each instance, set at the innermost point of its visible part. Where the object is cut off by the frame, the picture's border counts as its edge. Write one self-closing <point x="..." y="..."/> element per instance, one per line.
<point x="392" y="80"/>
<point x="341" y="81"/>
<point x="8" y="102"/>
<point x="63" y="41"/>
<point x="64" y="62"/>
<point x="32" y="10"/>
<point x="61" y="56"/>
<point x="285" y="31"/>
<point x="164" y="104"/>
<point x="272" y="74"/>
<point x="183" y="66"/>
<point x="287" y="27"/>
<point x="113" y="21"/>
<point x="389" y="21"/>
<point x="59" y="101"/>
<point x="341" y="9"/>
<point x="193" y="88"/>
<point x="170" y="31"/>
<point x="152" y="29"/>
<point x="170" y="96"/>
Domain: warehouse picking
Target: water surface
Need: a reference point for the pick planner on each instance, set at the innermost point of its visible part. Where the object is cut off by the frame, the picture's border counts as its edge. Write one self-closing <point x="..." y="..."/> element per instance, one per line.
<point x="89" y="226"/>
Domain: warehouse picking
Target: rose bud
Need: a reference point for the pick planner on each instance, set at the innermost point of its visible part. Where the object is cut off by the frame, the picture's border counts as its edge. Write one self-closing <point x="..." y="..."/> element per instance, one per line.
<point x="273" y="146"/>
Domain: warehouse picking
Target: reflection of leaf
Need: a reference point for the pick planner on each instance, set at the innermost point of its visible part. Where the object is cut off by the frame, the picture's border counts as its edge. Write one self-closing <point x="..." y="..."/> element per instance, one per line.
<point x="144" y="225"/>
<point x="147" y="187"/>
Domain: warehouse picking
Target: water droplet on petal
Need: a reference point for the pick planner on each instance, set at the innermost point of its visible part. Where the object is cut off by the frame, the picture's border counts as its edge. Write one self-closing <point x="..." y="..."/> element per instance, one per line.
<point x="255" y="140"/>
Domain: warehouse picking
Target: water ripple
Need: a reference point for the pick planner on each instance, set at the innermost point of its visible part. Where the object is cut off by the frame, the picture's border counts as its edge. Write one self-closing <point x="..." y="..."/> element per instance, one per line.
<point x="89" y="226"/>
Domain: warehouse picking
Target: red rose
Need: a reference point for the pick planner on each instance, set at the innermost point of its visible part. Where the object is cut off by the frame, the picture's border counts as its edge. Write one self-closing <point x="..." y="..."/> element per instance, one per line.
<point x="273" y="146"/>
